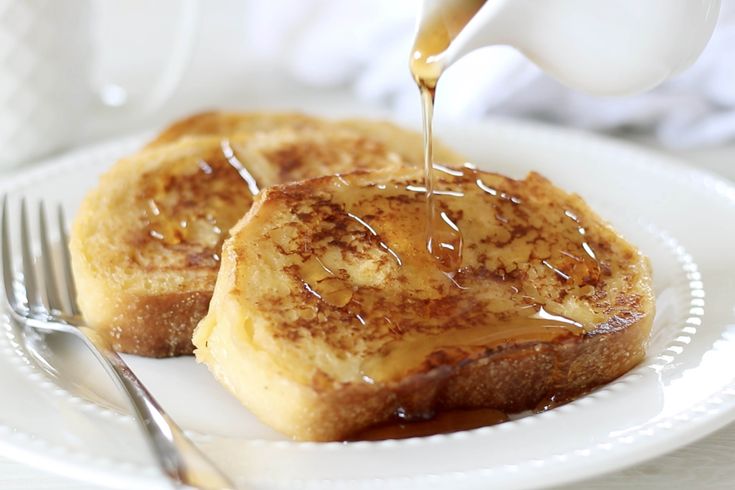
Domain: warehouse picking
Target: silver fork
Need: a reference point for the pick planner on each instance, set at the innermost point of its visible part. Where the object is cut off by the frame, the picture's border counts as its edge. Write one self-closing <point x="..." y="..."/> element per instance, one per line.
<point x="44" y="309"/>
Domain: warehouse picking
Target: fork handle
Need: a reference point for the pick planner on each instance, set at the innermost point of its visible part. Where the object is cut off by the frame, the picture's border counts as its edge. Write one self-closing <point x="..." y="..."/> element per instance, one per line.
<point x="184" y="464"/>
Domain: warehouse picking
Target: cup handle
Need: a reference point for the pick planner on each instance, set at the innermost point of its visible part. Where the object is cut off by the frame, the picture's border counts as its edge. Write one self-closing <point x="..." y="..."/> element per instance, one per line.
<point x="125" y="111"/>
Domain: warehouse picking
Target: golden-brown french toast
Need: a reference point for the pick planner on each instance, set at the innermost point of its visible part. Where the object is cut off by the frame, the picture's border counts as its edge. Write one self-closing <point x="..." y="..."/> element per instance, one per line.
<point x="329" y="316"/>
<point x="145" y="244"/>
<point x="408" y="144"/>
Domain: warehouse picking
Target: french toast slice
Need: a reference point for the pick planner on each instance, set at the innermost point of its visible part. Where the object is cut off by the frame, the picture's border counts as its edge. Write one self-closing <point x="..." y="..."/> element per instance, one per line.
<point x="145" y="244"/>
<point x="219" y="123"/>
<point x="329" y="316"/>
<point x="406" y="143"/>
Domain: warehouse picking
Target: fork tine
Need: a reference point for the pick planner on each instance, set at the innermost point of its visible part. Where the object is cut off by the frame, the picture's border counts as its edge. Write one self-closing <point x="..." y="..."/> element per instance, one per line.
<point x="49" y="274"/>
<point x="6" y="258"/>
<point x="33" y="293"/>
<point x="68" y="285"/>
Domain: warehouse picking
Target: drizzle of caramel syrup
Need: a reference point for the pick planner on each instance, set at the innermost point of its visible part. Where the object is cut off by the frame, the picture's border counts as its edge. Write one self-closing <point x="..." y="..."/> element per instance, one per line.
<point x="173" y="212"/>
<point x="435" y="34"/>
<point x="532" y="323"/>
<point x="443" y="237"/>
<point x="323" y="283"/>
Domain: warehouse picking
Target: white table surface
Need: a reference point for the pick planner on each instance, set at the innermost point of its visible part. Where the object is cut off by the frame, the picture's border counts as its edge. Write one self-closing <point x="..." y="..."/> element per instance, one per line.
<point x="705" y="464"/>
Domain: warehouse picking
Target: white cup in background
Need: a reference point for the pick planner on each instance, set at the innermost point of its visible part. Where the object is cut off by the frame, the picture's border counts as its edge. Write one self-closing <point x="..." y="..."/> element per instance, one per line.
<point x="46" y="64"/>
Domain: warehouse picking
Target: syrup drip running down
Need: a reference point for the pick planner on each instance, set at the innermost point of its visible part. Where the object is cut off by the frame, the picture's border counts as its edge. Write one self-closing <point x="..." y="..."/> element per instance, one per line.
<point x="435" y="33"/>
<point x="443" y="236"/>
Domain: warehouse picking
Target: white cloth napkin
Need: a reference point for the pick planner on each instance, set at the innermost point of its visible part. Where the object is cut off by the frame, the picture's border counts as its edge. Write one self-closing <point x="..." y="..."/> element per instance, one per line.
<point x="365" y="44"/>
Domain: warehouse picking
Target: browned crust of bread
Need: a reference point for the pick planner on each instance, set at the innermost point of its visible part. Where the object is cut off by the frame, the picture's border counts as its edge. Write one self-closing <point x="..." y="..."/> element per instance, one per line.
<point x="512" y="379"/>
<point x="407" y="143"/>
<point x="156" y="325"/>
<point x="218" y="123"/>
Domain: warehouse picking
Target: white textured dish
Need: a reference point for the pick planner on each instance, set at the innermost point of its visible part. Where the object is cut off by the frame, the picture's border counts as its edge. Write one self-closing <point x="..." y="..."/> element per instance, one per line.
<point x="65" y="417"/>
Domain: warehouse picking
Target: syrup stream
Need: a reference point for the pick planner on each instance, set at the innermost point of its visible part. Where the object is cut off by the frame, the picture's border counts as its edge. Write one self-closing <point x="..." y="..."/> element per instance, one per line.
<point x="436" y="32"/>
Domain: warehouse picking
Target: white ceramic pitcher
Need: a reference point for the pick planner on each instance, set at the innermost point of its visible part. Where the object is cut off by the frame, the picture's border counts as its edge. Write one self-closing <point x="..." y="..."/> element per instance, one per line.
<point x="605" y="47"/>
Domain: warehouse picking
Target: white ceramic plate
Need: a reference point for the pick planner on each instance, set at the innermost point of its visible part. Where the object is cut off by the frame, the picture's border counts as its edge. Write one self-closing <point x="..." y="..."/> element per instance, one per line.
<point x="65" y="417"/>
